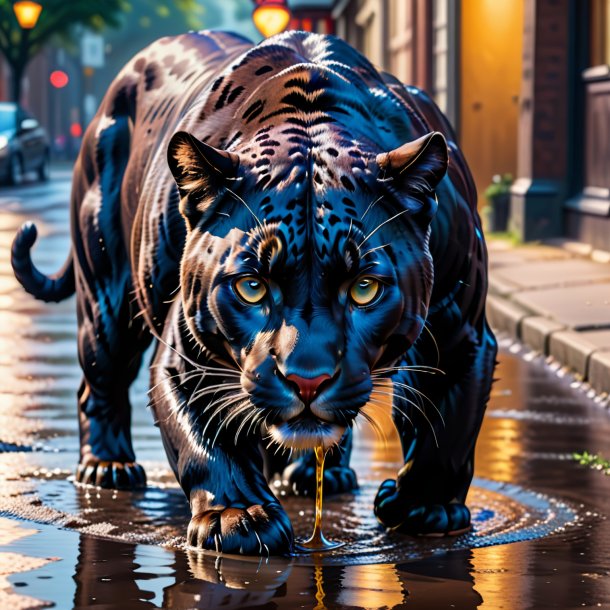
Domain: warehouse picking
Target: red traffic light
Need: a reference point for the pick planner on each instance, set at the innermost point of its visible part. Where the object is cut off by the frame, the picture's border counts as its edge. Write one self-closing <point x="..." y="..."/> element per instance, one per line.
<point x="59" y="79"/>
<point x="76" y="131"/>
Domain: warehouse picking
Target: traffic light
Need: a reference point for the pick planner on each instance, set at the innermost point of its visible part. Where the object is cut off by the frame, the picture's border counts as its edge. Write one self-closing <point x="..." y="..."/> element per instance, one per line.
<point x="59" y="79"/>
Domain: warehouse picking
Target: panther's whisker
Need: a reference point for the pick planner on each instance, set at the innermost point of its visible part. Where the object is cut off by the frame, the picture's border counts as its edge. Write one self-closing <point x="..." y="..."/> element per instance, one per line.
<point x="438" y="352"/>
<point x="419" y="393"/>
<point x="188" y="377"/>
<point x="373" y="249"/>
<point x="199" y="382"/>
<point x="394" y="407"/>
<point x="394" y="395"/>
<point x="385" y="222"/>
<point x="220" y="404"/>
<point x="239" y="409"/>
<point x="203" y="370"/>
<point x="375" y="426"/>
<point x="278" y="449"/>
<point x="238" y="198"/>
<point x="253" y="415"/>
<point x="254" y="420"/>
<point x="221" y="426"/>
<point x="183" y="356"/>
<point x="372" y="204"/>
<point x="211" y="388"/>
<point x="417" y="368"/>
<point x="172" y="389"/>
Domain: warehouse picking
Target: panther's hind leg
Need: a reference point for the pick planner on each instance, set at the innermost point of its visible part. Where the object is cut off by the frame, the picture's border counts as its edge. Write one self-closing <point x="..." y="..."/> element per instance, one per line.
<point x="110" y="346"/>
<point x="339" y="477"/>
<point x="111" y="335"/>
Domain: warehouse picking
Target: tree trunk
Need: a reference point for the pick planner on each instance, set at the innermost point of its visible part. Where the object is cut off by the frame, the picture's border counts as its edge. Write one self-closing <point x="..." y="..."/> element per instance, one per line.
<point x="16" y="81"/>
<point x="19" y="65"/>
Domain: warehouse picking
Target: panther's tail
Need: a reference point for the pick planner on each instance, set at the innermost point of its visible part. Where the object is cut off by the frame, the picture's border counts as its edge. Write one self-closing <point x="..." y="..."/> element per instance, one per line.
<point x="46" y="288"/>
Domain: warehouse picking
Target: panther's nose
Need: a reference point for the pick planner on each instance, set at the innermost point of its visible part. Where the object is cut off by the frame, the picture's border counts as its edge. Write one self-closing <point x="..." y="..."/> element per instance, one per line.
<point x="308" y="387"/>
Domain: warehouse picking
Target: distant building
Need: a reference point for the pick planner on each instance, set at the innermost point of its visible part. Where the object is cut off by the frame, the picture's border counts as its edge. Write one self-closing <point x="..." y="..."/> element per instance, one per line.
<point x="312" y="16"/>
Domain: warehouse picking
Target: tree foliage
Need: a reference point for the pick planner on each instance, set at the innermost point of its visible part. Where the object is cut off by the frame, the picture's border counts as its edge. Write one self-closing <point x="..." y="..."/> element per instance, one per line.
<point x="63" y="18"/>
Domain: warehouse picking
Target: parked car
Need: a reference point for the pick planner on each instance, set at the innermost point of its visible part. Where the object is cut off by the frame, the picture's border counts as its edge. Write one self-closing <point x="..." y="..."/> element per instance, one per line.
<point x="24" y="144"/>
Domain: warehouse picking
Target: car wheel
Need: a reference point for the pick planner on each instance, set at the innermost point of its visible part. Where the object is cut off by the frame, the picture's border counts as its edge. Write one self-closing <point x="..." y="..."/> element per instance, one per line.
<point x="43" y="170"/>
<point x="15" y="170"/>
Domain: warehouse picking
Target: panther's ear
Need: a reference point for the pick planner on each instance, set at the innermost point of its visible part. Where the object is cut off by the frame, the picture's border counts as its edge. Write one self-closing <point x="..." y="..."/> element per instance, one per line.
<point x="200" y="171"/>
<point x="416" y="166"/>
<point x="413" y="171"/>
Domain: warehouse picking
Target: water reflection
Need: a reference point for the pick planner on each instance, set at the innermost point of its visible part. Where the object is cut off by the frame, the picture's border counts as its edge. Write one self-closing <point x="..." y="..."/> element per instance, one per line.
<point x="200" y="580"/>
<point x="374" y="586"/>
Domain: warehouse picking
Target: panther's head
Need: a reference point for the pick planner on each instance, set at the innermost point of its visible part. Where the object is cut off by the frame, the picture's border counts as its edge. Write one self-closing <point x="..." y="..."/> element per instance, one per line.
<point x="312" y="277"/>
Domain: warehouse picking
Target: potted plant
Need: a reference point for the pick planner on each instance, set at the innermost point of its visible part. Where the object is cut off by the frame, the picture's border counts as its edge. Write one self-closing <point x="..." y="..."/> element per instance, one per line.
<point x="498" y="200"/>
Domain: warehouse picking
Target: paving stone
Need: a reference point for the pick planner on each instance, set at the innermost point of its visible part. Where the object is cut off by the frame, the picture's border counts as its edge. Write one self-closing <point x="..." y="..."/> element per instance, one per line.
<point x="575" y="247"/>
<point x="499" y="286"/>
<point x="599" y="371"/>
<point x="550" y="274"/>
<point x="505" y="316"/>
<point x="574" y="349"/>
<point x="502" y="254"/>
<point x="600" y="256"/>
<point x="577" y="307"/>
<point x="536" y="330"/>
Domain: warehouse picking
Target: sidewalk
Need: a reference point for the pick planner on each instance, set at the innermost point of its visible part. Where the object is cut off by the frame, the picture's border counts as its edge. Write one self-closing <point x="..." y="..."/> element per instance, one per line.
<point x="555" y="298"/>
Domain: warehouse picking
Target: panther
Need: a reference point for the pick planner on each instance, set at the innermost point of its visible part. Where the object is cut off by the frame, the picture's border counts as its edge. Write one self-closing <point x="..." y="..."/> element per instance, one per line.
<point x="297" y="233"/>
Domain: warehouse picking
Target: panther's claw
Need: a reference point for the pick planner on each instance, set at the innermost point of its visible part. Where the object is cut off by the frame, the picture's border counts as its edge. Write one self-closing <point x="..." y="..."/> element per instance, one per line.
<point x="406" y="517"/>
<point x="111" y="475"/>
<point x="256" y="530"/>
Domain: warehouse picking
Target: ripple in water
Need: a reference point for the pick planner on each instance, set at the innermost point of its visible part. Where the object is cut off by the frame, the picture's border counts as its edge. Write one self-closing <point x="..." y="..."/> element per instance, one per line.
<point x="502" y="513"/>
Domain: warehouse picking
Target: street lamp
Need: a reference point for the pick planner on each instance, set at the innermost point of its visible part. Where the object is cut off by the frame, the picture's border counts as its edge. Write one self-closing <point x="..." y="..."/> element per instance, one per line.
<point x="27" y="13"/>
<point x="271" y="16"/>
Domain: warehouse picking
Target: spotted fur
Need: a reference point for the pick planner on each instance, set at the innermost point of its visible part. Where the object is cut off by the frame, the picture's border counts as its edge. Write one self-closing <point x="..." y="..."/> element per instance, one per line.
<point x="299" y="165"/>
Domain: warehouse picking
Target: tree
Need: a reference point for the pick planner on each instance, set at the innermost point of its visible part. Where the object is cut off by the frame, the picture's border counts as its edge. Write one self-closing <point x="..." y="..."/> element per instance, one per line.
<point x="61" y="19"/>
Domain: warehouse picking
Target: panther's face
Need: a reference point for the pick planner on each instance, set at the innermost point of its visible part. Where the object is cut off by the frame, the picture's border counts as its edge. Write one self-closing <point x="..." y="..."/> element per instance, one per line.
<point x="310" y="292"/>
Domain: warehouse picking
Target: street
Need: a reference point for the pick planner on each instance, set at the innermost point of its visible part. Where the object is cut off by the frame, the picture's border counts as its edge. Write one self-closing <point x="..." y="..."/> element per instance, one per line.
<point x="541" y="538"/>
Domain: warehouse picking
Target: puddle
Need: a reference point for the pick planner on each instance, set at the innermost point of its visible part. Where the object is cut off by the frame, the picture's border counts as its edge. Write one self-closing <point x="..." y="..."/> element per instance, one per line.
<point x="501" y="513"/>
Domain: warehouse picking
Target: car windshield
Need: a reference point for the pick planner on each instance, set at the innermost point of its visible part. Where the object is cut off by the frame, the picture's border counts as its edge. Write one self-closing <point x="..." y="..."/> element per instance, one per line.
<point x="7" y="119"/>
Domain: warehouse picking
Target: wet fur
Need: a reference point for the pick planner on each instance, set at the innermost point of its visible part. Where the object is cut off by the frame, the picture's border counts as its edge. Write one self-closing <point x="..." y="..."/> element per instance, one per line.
<point x="314" y="198"/>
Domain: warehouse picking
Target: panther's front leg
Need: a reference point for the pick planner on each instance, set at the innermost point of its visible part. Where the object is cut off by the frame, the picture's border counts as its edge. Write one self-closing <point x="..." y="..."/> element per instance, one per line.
<point x="428" y="496"/>
<point x="233" y="510"/>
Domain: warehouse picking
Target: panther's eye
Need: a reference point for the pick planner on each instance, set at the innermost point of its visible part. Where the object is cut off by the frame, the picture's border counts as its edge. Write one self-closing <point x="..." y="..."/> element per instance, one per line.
<point x="250" y="289"/>
<point x="364" y="290"/>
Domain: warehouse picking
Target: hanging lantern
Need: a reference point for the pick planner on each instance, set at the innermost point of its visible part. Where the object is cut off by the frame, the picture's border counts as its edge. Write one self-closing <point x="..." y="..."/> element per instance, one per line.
<point x="27" y="13"/>
<point x="271" y="16"/>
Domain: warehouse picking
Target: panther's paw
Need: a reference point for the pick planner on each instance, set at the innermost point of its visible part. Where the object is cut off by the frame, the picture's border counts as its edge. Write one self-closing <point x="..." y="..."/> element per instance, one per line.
<point x="256" y="530"/>
<point x="111" y="475"/>
<point x="301" y="479"/>
<point x="397" y="513"/>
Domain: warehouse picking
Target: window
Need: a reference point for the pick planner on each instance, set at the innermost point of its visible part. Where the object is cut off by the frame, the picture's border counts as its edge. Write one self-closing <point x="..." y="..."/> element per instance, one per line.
<point x="600" y="33"/>
<point x="444" y="65"/>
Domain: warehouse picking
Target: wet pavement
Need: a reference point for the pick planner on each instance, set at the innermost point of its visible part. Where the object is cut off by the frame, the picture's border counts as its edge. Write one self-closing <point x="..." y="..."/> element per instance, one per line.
<point x="541" y="538"/>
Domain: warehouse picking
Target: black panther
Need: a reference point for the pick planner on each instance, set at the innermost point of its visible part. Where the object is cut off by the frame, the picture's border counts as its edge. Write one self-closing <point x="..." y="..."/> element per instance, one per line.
<point x="313" y="247"/>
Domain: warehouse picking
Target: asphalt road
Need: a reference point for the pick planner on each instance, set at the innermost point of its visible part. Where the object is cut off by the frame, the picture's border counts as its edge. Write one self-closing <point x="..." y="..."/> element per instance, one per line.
<point x="541" y="538"/>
